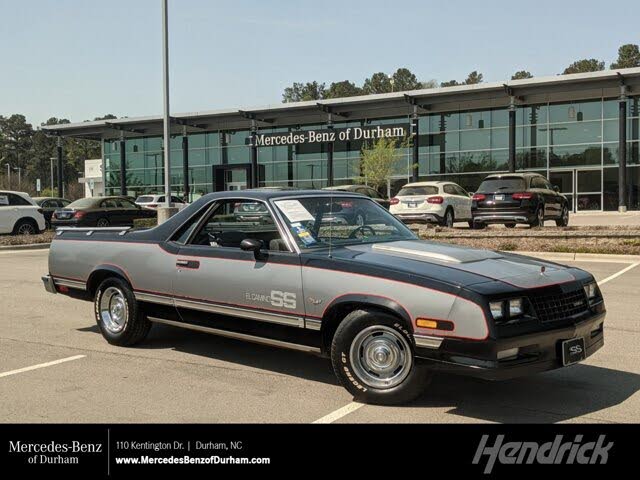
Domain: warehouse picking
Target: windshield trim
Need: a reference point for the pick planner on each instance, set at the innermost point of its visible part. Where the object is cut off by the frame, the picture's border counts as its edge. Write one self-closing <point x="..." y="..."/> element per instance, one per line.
<point x="280" y="216"/>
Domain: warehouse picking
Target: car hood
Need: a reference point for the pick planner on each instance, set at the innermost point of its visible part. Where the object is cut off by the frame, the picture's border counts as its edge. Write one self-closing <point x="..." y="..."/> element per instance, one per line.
<point x="458" y="265"/>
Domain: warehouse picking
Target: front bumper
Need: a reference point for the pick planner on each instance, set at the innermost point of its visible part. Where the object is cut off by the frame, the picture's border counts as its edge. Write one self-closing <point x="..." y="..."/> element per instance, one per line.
<point x="539" y="352"/>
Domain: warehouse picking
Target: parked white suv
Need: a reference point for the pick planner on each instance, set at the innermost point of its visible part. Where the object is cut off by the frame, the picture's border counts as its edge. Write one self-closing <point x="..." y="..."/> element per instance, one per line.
<point x="154" y="201"/>
<point x="433" y="202"/>
<point x="19" y="214"/>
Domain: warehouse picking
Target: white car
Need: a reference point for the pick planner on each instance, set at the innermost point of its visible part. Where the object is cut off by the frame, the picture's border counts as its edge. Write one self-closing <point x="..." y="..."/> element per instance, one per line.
<point x="155" y="201"/>
<point x="20" y="214"/>
<point x="433" y="202"/>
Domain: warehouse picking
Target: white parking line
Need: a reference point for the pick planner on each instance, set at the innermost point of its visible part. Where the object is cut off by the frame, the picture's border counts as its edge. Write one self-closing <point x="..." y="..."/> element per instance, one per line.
<point x="341" y="412"/>
<point x="616" y="275"/>
<point x="41" y="365"/>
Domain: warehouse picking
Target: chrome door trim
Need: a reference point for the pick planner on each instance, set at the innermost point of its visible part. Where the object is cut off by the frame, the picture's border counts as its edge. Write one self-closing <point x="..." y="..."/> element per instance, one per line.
<point x="312" y="324"/>
<point x="288" y="320"/>
<point x="237" y="335"/>
<point x="153" y="298"/>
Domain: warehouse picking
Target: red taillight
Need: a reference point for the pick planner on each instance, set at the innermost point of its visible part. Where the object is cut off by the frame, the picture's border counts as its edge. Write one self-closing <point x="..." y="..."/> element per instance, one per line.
<point x="63" y="289"/>
<point x="478" y="197"/>
<point x="394" y="201"/>
<point x="79" y="214"/>
<point x="346" y="204"/>
<point x="522" y="196"/>
<point x="437" y="199"/>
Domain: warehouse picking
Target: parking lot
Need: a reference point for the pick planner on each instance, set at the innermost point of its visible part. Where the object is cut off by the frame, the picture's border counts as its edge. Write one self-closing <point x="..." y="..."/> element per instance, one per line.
<point x="55" y="367"/>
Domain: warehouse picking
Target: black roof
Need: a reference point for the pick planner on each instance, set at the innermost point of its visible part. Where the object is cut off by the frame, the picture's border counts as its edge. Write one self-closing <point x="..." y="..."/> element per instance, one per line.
<point x="264" y="195"/>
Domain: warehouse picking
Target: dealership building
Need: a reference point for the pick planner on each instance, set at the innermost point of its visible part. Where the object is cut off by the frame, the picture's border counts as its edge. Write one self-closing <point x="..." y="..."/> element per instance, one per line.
<point x="581" y="131"/>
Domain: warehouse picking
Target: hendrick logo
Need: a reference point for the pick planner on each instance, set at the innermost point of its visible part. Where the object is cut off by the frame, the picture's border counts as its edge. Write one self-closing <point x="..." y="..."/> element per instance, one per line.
<point x="555" y="452"/>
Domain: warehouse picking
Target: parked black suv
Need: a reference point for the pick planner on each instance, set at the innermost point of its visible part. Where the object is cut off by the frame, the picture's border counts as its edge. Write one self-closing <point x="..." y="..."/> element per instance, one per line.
<point x="518" y="198"/>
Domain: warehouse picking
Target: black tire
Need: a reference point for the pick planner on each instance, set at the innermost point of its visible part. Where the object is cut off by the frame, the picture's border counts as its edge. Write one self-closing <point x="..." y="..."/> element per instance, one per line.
<point x="563" y="221"/>
<point x="449" y="218"/>
<point x="478" y="225"/>
<point x="409" y="378"/>
<point x="133" y="328"/>
<point x="538" y="222"/>
<point x="102" y="222"/>
<point x="26" y="226"/>
<point x="510" y="225"/>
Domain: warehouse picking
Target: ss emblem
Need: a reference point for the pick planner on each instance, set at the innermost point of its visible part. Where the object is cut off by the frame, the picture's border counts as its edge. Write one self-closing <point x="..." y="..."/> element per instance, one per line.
<point x="575" y="349"/>
<point x="283" y="299"/>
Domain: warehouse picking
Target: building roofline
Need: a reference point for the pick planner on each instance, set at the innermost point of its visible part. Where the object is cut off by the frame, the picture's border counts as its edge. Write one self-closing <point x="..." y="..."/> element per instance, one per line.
<point x="388" y="104"/>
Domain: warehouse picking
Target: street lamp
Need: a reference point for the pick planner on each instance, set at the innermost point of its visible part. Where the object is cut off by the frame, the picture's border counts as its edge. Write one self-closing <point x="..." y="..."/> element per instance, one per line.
<point x="9" y="167"/>
<point x="51" y="159"/>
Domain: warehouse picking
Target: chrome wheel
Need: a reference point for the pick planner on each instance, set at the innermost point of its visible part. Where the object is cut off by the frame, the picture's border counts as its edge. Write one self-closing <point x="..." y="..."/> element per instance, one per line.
<point x="26" y="229"/>
<point x="540" y="217"/>
<point x="565" y="216"/>
<point x="113" y="310"/>
<point x="102" y="222"/>
<point x="381" y="357"/>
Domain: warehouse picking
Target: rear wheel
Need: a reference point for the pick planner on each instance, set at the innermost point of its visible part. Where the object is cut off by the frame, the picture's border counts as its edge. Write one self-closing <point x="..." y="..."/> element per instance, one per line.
<point x="448" y="219"/>
<point x="102" y="222"/>
<point x="118" y="314"/>
<point x="478" y="225"/>
<point x="26" y="226"/>
<point x="372" y="355"/>
<point x="539" y="220"/>
<point x="563" y="221"/>
<point x="510" y="225"/>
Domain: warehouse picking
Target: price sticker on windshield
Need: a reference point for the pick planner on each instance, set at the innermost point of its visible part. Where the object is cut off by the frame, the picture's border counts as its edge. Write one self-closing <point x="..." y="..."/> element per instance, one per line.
<point x="294" y="210"/>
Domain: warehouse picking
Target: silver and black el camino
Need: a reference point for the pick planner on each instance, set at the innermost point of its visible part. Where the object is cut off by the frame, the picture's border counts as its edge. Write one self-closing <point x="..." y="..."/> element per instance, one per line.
<point x="387" y="308"/>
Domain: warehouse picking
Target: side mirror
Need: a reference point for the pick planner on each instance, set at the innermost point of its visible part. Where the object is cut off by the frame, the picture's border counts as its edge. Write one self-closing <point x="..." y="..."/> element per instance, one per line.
<point x="556" y="188"/>
<point x="251" y="245"/>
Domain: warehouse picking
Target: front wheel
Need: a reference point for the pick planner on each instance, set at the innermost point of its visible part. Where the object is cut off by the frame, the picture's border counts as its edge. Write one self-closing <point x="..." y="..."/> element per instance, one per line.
<point x="118" y="314"/>
<point x="373" y="357"/>
<point x="563" y="221"/>
<point x="539" y="220"/>
<point x="102" y="222"/>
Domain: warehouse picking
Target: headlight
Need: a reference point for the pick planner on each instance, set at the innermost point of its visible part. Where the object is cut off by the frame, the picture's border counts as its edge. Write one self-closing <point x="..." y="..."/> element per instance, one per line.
<point x="496" y="310"/>
<point x="516" y="307"/>
<point x="591" y="290"/>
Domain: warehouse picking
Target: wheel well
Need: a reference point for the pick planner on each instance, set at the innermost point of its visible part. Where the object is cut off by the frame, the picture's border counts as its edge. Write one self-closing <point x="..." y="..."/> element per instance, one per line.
<point x="98" y="276"/>
<point x="334" y="316"/>
<point x="30" y="220"/>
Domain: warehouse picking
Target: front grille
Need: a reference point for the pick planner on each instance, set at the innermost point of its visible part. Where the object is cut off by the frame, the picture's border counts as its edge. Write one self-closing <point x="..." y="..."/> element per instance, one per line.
<point x="557" y="306"/>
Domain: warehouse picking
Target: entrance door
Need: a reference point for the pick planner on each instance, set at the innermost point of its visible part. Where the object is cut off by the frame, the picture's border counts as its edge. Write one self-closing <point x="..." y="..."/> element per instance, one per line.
<point x="563" y="179"/>
<point x="231" y="177"/>
<point x="582" y="187"/>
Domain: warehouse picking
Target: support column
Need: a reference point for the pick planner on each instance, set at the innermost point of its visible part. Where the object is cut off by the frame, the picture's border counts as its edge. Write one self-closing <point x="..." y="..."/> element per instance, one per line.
<point x="185" y="164"/>
<point x="512" y="134"/>
<point x="329" y="153"/>
<point x="622" y="150"/>
<point x="60" y="168"/>
<point x="415" y="133"/>
<point x="123" y="166"/>
<point x="254" y="155"/>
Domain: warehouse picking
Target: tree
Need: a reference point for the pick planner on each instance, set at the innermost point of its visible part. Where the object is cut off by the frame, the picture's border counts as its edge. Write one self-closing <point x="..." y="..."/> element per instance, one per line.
<point x="521" y="75"/>
<point x="343" y="89"/>
<point x="429" y="84"/>
<point x="450" y="83"/>
<point x="473" y="78"/>
<point x="378" y="163"/>
<point x="301" y="92"/>
<point x="628" y="57"/>
<point x="404" y="79"/>
<point x="584" y="66"/>
<point x="378" y="83"/>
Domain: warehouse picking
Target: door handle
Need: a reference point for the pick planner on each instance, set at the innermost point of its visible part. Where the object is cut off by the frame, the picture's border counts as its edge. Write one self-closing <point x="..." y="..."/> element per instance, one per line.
<point x="194" y="264"/>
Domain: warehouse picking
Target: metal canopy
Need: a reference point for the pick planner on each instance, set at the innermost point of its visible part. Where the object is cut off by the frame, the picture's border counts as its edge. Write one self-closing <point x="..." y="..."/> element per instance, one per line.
<point x="580" y="86"/>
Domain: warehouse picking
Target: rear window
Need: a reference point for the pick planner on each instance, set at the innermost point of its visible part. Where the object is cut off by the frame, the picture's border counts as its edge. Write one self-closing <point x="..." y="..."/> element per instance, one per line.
<point x="492" y="185"/>
<point x="144" y="199"/>
<point x="427" y="190"/>
<point x="82" y="203"/>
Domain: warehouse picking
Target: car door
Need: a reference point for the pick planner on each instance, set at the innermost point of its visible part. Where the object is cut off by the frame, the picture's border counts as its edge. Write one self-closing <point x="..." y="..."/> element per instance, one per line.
<point x="555" y="199"/>
<point x="130" y="211"/>
<point x="451" y="198"/>
<point x="7" y="214"/>
<point x="464" y="201"/>
<point x="217" y="281"/>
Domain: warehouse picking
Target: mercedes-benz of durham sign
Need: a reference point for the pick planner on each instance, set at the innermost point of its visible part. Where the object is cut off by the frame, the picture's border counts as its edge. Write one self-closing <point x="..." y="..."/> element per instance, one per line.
<point x="331" y="135"/>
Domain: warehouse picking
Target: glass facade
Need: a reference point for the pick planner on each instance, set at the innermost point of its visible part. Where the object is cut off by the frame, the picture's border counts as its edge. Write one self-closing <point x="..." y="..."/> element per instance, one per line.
<point x="553" y="139"/>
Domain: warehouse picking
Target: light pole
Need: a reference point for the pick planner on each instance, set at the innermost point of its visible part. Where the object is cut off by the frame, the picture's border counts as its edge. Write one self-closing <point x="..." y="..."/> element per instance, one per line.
<point x="51" y="159"/>
<point x="165" y="89"/>
<point x="19" y="169"/>
<point x="8" y="175"/>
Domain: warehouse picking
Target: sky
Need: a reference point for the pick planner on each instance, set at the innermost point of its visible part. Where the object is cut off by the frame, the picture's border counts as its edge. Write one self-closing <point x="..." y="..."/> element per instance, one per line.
<point x="79" y="59"/>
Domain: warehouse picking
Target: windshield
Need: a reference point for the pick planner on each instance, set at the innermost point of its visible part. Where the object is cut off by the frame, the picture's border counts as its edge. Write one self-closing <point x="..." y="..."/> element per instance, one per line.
<point x="492" y="185"/>
<point x="144" y="199"/>
<point x="427" y="190"/>
<point x="82" y="203"/>
<point x="317" y="222"/>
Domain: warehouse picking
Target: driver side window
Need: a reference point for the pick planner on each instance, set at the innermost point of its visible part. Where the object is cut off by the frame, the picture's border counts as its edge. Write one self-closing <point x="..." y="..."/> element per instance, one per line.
<point x="232" y="221"/>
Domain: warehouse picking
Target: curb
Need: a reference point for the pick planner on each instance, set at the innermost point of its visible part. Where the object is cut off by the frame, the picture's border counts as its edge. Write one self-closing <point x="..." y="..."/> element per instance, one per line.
<point x="585" y="257"/>
<point x="30" y="246"/>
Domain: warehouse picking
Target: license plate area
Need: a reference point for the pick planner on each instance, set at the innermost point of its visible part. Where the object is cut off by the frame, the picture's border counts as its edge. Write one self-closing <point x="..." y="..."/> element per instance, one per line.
<point x="573" y="351"/>
<point x="498" y="197"/>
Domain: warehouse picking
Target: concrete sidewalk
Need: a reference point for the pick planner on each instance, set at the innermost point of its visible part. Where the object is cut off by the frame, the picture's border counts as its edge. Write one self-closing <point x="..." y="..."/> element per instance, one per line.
<point x="604" y="218"/>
